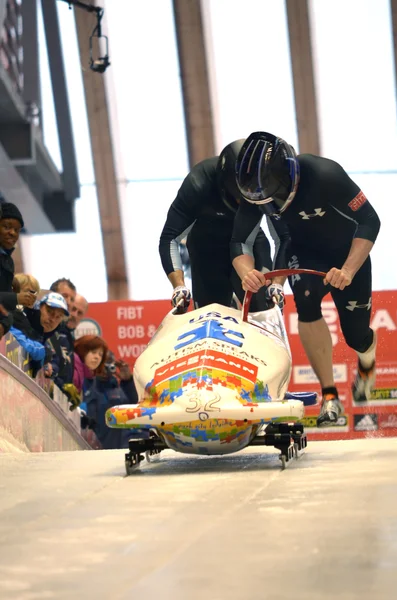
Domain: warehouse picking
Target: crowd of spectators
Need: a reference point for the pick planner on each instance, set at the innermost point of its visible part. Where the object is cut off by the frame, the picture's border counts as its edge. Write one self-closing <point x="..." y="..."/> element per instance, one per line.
<point x="44" y="324"/>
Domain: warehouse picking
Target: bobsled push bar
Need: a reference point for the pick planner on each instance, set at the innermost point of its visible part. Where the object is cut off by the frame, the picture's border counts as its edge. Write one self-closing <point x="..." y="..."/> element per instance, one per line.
<point x="272" y="275"/>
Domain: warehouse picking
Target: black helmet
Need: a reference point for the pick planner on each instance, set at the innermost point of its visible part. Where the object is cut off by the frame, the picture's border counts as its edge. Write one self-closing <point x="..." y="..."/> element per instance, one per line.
<point x="267" y="172"/>
<point x="226" y="174"/>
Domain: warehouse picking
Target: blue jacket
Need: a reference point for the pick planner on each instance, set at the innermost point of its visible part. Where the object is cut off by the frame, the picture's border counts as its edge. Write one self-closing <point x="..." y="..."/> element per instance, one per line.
<point x="35" y="349"/>
<point x="29" y="334"/>
<point x="99" y="394"/>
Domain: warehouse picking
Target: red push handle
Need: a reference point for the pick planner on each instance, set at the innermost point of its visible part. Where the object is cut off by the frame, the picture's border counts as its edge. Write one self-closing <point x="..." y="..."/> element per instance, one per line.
<point x="272" y="275"/>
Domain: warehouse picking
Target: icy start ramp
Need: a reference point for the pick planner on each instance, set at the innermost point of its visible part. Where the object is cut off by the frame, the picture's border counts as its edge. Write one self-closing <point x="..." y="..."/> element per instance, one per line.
<point x="233" y="527"/>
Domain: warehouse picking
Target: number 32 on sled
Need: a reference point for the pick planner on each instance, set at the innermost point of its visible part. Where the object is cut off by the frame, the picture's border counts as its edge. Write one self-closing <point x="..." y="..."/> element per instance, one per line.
<point x="211" y="382"/>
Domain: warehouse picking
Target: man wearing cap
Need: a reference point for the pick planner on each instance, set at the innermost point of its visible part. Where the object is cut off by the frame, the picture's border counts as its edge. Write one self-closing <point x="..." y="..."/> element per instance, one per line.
<point x="33" y="327"/>
<point x="11" y="223"/>
<point x="52" y="313"/>
<point x="47" y="315"/>
<point x="63" y="339"/>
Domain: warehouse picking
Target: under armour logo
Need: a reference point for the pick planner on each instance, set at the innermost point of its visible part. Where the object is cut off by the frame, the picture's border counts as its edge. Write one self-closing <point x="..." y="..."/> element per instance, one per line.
<point x="352" y="304"/>
<point x="318" y="212"/>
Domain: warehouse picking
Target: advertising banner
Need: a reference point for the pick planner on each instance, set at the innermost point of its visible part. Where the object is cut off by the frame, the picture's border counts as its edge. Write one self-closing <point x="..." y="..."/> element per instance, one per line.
<point x="378" y="417"/>
<point x="128" y="326"/>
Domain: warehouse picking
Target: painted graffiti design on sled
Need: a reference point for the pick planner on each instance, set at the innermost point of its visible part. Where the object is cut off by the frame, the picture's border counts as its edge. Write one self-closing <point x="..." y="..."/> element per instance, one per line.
<point x="213" y="381"/>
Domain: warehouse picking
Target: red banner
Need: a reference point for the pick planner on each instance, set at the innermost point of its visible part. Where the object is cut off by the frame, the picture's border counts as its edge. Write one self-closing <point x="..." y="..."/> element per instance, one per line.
<point x="378" y="417"/>
<point x="125" y="325"/>
<point x="128" y="326"/>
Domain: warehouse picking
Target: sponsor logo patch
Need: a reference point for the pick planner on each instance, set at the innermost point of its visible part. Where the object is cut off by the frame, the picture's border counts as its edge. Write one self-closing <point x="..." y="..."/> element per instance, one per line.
<point x="311" y="422"/>
<point x="318" y="212"/>
<point x="87" y="327"/>
<point x="305" y="374"/>
<point x="368" y="422"/>
<point x="358" y="201"/>
<point x="207" y="360"/>
<point x="388" y="421"/>
<point x="384" y="394"/>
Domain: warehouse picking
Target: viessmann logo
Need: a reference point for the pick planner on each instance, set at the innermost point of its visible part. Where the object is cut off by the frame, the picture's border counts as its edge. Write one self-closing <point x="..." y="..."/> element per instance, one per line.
<point x="305" y="374"/>
<point x="207" y="360"/>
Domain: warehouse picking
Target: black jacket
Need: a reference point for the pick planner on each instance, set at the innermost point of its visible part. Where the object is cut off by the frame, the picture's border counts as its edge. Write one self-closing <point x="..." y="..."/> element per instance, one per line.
<point x="7" y="297"/>
<point x="6" y="322"/>
<point x="62" y="341"/>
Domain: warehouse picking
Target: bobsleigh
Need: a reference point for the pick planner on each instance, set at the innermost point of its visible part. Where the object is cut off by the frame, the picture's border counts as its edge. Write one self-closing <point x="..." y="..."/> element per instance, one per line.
<point x="214" y="381"/>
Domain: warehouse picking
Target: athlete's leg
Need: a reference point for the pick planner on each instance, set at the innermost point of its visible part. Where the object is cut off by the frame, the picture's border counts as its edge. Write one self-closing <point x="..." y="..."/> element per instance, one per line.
<point x="314" y="333"/>
<point x="354" y="309"/>
<point x="317" y="342"/>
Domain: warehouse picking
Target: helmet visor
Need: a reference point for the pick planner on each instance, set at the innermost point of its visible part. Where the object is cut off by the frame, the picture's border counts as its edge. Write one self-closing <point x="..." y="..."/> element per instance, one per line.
<point x="267" y="172"/>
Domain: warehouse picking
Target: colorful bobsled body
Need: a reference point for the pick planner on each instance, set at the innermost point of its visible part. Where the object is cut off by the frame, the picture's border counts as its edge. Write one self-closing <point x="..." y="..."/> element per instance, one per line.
<point x="208" y="381"/>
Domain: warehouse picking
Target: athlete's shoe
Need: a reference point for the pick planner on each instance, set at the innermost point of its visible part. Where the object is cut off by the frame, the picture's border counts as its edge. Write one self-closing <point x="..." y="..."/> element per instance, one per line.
<point x="331" y="409"/>
<point x="363" y="383"/>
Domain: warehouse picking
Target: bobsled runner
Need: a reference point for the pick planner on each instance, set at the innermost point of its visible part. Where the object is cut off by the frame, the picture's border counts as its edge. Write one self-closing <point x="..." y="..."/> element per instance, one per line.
<point x="214" y="381"/>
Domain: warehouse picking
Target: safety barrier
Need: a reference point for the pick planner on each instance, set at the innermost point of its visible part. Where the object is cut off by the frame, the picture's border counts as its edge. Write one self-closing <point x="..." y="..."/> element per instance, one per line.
<point x="31" y="420"/>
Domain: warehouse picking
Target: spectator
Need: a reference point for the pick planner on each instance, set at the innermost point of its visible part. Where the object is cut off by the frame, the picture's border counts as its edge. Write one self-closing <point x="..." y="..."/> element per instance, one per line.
<point x="26" y="283"/>
<point x="79" y="310"/>
<point x="63" y="341"/>
<point x="11" y="223"/>
<point x="115" y="385"/>
<point x="22" y="330"/>
<point x="47" y="315"/>
<point x="66" y="288"/>
<point x="33" y="327"/>
<point x="117" y="382"/>
<point x="89" y="358"/>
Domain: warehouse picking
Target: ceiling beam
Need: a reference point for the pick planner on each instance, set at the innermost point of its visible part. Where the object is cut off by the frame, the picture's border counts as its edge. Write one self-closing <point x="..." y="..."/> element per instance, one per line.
<point x="195" y="79"/>
<point x="104" y="162"/>
<point x="303" y="76"/>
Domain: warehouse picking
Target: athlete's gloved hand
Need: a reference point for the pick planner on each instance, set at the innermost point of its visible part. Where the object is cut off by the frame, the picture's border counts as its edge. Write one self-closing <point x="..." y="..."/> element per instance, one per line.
<point x="275" y="293"/>
<point x="181" y="298"/>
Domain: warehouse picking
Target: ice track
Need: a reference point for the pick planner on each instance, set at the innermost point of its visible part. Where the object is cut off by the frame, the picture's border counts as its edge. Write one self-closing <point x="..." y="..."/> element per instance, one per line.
<point x="72" y="526"/>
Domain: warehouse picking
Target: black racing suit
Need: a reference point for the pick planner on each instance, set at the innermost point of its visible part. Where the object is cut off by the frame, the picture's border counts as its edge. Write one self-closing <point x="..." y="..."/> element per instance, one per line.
<point x="199" y="212"/>
<point x="316" y="232"/>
